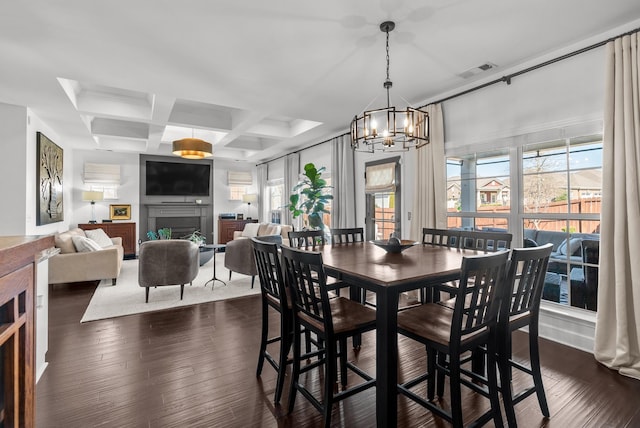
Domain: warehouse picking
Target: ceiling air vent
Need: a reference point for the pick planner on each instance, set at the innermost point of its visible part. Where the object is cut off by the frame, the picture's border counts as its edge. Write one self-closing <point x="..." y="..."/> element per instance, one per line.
<point x="477" y="70"/>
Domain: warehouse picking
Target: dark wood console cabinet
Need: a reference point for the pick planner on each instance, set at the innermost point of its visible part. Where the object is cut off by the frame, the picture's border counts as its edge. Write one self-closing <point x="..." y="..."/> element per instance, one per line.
<point x="226" y="227"/>
<point x="126" y="230"/>
<point x="18" y="261"/>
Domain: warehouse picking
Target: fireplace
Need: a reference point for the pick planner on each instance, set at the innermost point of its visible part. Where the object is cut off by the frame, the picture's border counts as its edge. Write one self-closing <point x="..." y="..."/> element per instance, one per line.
<point x="183" y="219"/>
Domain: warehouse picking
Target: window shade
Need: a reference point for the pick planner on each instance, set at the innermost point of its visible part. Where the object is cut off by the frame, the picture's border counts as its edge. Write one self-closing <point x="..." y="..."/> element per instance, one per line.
<point x="101" y="173"/>
<point x="380" y="178"/>
<point x="239" y="178"/>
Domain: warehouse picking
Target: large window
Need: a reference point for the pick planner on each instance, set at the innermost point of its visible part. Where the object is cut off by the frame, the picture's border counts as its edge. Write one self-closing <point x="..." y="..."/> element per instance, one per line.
<point x="541" y="192"/>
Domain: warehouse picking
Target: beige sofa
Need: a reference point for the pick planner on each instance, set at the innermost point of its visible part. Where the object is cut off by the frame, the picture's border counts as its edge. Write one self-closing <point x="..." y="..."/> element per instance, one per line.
<point x="239" y="252"/>
<point x="72" y="266"/>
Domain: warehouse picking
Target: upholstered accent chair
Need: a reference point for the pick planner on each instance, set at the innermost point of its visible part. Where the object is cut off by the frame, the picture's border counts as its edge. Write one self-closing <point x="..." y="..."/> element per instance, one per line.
<point x="239" y="256"/>
<point x="167" y="262"/>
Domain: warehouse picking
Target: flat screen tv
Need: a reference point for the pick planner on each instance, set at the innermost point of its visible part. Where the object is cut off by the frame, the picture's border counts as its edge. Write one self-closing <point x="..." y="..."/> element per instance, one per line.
<point x="177" y="179"/>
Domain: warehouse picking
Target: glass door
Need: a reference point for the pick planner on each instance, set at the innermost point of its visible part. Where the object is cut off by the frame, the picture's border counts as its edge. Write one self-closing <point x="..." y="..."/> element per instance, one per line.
<point x="382" y="187"/>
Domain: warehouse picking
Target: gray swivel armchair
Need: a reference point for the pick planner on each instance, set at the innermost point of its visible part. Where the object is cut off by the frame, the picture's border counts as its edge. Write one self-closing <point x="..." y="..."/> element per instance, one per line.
<point x="167" y="262"/>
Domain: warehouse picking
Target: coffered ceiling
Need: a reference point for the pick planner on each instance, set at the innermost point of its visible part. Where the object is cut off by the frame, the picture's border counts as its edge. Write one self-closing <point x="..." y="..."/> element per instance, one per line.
<point x="257" y="78"/>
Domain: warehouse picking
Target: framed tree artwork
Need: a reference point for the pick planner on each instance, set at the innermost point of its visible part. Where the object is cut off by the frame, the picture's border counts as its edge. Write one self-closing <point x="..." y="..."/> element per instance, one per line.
<point x="50" y="208"/>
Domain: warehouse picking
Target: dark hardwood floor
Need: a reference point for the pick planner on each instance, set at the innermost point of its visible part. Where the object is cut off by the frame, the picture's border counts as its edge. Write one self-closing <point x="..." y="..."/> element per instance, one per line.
<point x="195" y="367"/>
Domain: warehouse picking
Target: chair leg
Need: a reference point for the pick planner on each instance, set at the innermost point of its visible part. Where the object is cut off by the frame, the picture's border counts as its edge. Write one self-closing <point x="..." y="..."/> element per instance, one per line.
<point x="455" y="390"/>
<point x="431" y="372"/>
<point x="505" y="381"/>
<point x="343" y="362"/>
<point x="331" y="370"/>
<point x="442" y="361"/>
<point x="492" y="385"/>
<point x="146" y="294"/>
<point x="229" y="275"/>
<point x="253" y="279"/>
<point x="534" y="357"/>
<point x="295" y="370"/>
<point x="181" y="290"/>
<point x="263" y="337"/>
<point x="285" y="345"/>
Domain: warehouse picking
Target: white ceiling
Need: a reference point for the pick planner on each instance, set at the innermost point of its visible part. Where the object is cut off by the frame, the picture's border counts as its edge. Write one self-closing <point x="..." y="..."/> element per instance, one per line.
<point x="261" y="78"/>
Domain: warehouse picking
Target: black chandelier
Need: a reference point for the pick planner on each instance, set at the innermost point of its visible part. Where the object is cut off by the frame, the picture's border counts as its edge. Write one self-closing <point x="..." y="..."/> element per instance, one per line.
<point x="388" y="128"/>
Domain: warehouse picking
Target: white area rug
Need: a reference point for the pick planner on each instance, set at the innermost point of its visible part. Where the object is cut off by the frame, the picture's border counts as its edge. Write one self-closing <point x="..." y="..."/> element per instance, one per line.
<point x="127" y="297"/>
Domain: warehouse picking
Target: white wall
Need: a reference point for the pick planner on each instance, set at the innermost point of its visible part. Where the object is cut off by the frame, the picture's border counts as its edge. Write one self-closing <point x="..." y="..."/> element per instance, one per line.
<point x="13" y="134"/>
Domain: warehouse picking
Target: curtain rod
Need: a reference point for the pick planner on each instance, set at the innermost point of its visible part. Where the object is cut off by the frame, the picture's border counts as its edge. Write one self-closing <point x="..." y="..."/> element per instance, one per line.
<point x="508" y="77"/>
<point x="304" y="148"/>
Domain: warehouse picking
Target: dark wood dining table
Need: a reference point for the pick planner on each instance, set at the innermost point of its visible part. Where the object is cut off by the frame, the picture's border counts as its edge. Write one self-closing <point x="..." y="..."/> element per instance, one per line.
<point x="388" y="275"/>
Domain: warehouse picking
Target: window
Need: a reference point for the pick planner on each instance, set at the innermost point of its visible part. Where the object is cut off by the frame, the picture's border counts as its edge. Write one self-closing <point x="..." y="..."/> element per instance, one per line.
<point x="478" y="191"/>
<point x="275" y="199"/>
<point x="556" y="199"/>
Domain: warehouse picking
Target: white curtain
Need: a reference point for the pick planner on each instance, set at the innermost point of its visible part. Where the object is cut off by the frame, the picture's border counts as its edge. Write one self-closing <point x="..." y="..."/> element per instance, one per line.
<point x="617" y="342"/>
<point x="343" y="208"/>
<point x="429" y="201"/>
<point x="291" y="178"/>
<point x="262" y="173"/>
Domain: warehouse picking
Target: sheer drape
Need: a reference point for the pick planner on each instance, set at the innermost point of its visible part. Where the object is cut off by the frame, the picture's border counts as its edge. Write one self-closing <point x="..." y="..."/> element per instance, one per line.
<point x="617" y="342"/>
<point x="343" y="208"/>
<point x="291" y="178"/>
<point x="429" y="201"/>
<point x="262" y="173"/>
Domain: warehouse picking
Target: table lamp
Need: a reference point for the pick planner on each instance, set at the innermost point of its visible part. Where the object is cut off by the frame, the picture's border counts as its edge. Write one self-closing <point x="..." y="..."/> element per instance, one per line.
<point x="93" y="196"/>
<point x="248" y="198"/>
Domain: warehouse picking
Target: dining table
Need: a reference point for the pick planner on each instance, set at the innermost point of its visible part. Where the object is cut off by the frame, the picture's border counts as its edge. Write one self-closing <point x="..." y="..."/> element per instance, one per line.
<point x="365" y="265"/>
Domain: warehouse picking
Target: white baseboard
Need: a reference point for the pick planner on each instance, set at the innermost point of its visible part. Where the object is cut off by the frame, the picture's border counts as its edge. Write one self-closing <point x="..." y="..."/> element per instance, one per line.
<point x="41" y="370"/>
<point x="569" y="326"/>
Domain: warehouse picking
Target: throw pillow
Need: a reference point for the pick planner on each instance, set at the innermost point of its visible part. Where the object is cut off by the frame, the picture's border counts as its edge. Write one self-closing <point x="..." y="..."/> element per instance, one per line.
<point x="99" y="236"/>
<point x="251" y="230"/>
<point x="528" y="243"/>
<point x="85" y="245"/>
<point x="271" y="229"/>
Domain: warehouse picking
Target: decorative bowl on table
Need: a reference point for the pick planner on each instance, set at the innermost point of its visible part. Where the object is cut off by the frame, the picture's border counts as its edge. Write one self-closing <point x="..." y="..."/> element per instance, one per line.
<point x="394" y="246"/>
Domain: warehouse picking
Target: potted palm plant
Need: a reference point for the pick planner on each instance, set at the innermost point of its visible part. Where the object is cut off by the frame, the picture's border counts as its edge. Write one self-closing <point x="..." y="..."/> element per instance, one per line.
<point x="310" y="196"/>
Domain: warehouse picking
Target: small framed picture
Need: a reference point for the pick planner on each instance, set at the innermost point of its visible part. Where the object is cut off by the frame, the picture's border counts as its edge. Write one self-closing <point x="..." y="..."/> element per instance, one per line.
<point x="239" y="216"/>
<point x="120" y="212"/>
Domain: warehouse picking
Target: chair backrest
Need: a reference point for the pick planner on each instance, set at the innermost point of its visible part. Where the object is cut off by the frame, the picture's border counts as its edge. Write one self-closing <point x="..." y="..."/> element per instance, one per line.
<point x="306" y="279"/>
<point x="167" y="262"/>
<point x="307" y="239"/>
<point x="441" y="237"/>
<point x="478" y="295"/>
<point x="525" y="281"/>
<point x="486" y="241"/>
<point x="346" y="236"/>
<point x="269" y="269"/>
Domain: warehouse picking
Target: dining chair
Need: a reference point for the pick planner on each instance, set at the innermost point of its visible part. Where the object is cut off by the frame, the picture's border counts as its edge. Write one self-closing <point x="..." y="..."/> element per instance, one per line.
<point x="332" y="320"/>
<point x="485" y="241"/>
<point x="274" y="296"/>
<point x="521" y="308"/>
<point x="307" y="239"/>
<point x="452" y="333"/>
<point x="347" y="235"/>
<point x="441" y="237"/>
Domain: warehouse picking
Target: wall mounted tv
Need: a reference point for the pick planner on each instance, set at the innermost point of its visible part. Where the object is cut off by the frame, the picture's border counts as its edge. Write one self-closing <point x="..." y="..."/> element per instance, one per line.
<point x="177" y="179"/>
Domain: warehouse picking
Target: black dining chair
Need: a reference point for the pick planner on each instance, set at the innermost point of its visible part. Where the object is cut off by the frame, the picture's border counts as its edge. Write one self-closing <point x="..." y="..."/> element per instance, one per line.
<point x="332" y="320"/>
<point x="347" y="235"/>
<point x="274" y="296"/>
<point x="450" y="334"/>
<point x="441" y="237"/>
<point x="521" y="308"/>
<point x="488" y="242"/>
<point x="307" y="239"/>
